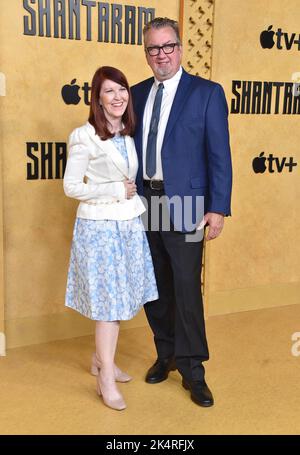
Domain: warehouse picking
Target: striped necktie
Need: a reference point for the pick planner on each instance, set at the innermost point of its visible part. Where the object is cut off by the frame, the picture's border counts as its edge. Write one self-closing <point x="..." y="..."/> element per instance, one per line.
<point x="152" y="136"/>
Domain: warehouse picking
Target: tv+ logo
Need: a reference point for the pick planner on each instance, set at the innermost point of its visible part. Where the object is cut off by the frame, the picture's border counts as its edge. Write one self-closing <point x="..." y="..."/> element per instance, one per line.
<point x="274" y="163"/>
<point x="283" y="39"/>
<point x="70" y="93"/>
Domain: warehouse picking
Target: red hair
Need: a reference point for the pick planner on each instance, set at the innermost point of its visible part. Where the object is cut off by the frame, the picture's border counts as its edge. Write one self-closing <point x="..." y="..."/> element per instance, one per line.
<point x="96" y="116"/>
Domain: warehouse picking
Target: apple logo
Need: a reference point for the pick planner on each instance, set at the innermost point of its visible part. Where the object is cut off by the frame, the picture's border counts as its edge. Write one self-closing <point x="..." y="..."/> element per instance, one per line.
<point x="266" y="38"/>
<point x="69" y="93"/>
<point x="258" y="164"/>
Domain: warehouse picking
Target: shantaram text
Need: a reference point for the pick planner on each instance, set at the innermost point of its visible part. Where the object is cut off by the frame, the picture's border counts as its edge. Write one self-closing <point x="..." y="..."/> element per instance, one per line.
<point x="86" y="20"/>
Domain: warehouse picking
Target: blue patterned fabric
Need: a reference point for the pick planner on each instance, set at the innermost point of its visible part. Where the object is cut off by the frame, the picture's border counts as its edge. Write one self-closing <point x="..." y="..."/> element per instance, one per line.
<point x="119" y="142"/>
<point x="111" y="272"/>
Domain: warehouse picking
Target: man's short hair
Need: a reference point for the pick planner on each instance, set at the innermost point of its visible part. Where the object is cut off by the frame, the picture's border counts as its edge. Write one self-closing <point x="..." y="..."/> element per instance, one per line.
<point x="162" y="22"/>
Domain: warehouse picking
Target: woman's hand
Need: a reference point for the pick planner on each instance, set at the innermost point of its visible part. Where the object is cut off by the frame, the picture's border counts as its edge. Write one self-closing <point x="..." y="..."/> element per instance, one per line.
<point x="130" y="188"/>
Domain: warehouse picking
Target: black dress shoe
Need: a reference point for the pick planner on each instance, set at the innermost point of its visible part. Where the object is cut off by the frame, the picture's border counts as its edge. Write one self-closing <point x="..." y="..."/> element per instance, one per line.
<point x="200" y="393"/>
<point x="160" y="370"/>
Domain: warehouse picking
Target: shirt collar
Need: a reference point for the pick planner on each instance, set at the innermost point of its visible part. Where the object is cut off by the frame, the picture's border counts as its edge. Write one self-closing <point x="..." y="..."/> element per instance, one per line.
<point x="170" y="83"/>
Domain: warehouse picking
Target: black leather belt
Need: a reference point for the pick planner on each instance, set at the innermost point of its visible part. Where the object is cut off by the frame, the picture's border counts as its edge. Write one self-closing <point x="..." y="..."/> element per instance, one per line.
<point x="156" y="185"/>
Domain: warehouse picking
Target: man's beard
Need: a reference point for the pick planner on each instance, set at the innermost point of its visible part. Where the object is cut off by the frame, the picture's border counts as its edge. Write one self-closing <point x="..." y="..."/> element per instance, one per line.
<point x="164" y="71"/>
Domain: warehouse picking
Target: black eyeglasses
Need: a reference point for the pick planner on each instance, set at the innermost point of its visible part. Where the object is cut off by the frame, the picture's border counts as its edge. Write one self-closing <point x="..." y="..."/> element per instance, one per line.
<point x="167" y="48"/>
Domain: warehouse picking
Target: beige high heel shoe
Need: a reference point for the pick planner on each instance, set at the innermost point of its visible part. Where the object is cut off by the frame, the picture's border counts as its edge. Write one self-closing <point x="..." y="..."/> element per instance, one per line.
<point x="118" y="403"/>
<point x="120" y="376"/>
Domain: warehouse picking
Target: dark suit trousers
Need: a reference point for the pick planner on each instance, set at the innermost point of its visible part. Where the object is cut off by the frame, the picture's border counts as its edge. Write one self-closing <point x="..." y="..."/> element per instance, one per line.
<point x="177" y="318"/>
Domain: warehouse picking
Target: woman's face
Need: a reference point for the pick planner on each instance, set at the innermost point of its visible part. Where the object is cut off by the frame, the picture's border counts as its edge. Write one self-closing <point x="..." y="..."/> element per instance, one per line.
<point x="114" y="99"/>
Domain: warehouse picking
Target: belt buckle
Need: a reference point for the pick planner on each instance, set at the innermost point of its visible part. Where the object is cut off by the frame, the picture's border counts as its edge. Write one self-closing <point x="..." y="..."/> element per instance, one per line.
<point x="156" y="188"/>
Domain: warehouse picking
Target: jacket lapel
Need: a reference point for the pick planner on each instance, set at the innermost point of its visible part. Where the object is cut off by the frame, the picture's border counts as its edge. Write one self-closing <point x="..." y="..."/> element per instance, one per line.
<point x="109" y="148"/>
<point x="140" y="99"/>
<point x="118" y="160"/>
<point x="132" y="158"/>
<point x="182" y="93"/>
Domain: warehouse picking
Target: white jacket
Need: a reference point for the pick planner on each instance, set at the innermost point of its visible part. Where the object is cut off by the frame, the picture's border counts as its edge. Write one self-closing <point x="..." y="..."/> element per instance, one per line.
<point x="95" y="173"/>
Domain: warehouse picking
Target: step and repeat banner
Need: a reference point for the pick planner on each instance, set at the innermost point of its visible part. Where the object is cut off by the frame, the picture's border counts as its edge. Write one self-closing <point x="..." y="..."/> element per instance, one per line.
<point x="2" y="316"/>
<point x="50" y="50"/>
<point x="256" y="57"/>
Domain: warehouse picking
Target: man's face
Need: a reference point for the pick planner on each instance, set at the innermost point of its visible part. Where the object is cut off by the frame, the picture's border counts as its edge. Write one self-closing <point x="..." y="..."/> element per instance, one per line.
<point x="164" y="66"/>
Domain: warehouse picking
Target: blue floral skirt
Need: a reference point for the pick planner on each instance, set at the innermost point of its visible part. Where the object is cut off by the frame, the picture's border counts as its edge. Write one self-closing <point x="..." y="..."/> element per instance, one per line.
<point x="111" y="272"/>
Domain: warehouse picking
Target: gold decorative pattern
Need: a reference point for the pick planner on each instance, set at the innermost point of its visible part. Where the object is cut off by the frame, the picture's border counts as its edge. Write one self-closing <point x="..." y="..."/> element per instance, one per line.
<point x="197" y="30"/>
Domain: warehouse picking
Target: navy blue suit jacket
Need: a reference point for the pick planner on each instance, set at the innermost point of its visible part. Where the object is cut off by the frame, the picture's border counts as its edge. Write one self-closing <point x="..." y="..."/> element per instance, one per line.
<point x="195" y="154"/>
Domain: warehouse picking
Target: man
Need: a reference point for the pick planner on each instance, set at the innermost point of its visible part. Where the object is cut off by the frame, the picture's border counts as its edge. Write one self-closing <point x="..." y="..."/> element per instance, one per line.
<point x="182" y="142"/>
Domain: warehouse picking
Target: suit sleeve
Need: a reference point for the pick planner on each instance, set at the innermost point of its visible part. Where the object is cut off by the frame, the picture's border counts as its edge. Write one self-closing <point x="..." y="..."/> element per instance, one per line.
<point x="218" y="153"/>
<point x="77" y="164"/>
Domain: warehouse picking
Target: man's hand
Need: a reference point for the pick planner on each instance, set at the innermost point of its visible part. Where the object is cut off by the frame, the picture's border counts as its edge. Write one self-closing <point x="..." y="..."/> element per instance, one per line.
<point x="215" y="222"/>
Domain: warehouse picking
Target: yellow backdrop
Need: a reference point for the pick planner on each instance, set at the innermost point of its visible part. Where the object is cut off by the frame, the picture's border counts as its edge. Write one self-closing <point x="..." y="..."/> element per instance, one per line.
<point x="2" y="336"/>
<point x="38" y="218"/>
<point x="256" y="262"/>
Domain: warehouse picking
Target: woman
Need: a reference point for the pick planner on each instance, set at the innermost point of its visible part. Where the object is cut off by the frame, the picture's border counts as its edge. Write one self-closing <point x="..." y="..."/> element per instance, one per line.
<point x="111" y="273"/>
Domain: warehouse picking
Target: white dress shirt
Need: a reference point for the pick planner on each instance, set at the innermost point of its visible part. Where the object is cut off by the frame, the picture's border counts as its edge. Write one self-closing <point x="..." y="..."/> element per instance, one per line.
<point x="169" y="91"/>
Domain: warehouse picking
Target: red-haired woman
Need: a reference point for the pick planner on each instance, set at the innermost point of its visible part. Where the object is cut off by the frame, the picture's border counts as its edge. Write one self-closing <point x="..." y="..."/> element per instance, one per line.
<point x="111" y="273"/>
